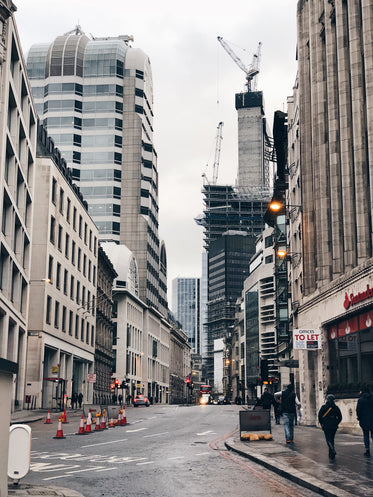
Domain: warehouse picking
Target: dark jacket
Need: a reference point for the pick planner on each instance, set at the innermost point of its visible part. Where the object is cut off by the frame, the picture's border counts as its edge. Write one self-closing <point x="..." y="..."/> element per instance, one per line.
<point x="267" y="400"/>
<point x="329" y="416"/>
<point x="288" y="404"/>
<point x="364" y="411"/>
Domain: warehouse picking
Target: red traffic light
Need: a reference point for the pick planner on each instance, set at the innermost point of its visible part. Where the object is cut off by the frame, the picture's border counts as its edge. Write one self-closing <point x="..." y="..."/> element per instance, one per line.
<point x="116" y="381"/>
<point x="112" y="386"/>
<point x="187" y="379"/>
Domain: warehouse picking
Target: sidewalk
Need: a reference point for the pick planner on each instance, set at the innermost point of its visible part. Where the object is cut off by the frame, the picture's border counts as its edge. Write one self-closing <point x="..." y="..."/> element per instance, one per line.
<point x="306" y="462"/>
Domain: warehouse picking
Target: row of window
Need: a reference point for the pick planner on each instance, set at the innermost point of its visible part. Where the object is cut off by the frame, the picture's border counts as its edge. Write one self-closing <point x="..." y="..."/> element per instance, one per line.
<point x="77" y="89"/>
<point x="79" y="123"/>
<point x="68" y="322"/>
<point x="77" y="221"/>
<point x="79" y="106"/>
<point x="66" y="283"/>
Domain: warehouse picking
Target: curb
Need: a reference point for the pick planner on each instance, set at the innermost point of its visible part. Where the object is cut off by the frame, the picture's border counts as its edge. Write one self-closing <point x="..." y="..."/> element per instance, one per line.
<point x="37" y="490"/>
<point x="298" y="477"/>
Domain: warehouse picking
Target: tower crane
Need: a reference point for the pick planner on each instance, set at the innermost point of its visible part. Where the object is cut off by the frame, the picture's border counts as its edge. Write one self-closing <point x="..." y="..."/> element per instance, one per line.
<point x="215" y="167"/>
<point x="252" y="70"/>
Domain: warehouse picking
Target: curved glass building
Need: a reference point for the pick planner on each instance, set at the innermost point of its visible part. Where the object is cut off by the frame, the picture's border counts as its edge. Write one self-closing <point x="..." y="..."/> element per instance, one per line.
<point x="95" y="98"/>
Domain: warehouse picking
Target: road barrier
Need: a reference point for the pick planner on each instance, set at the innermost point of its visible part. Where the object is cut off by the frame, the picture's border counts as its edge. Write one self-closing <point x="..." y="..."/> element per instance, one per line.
<point x="255" y="421"/>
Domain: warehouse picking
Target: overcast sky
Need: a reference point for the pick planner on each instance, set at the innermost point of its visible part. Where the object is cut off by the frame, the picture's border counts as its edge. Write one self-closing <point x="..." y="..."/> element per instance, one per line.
<point x="194" y="80"/>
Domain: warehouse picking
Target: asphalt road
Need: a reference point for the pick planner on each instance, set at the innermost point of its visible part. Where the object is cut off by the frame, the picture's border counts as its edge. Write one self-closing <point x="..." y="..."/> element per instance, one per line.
<point x="163" y="451"/>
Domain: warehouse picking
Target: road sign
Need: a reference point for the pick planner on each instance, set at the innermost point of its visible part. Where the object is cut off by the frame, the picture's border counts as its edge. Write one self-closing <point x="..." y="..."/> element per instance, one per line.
<point x="91" y="378"/>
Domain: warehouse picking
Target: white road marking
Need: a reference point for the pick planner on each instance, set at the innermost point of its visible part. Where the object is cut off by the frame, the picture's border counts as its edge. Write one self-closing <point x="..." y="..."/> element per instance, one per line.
<point x="71" y="472"/>
<point x="205" y="433"/>
<point x="107" y="469"/>
<point x="202" y="453"/>
<point x="142" y="463"/>
<point x="155" y="434"/>
<point x="174" y="458"/>
<point x="134" y="431"/>
<point x="44" y="467"/>
<point x="106" y="443"/>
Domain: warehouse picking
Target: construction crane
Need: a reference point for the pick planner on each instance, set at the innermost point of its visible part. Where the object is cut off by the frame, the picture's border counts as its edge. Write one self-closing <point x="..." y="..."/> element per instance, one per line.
<point x="215" y="167"/>
<point x="252" y="70"/>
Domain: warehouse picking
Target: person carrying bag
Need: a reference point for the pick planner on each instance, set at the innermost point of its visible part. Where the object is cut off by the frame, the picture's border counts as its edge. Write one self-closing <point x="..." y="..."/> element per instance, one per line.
<point x="329" y="418"/>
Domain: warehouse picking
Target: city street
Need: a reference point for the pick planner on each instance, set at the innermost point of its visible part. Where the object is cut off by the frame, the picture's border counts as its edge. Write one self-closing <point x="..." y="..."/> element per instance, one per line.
<point x="163" y="451"/>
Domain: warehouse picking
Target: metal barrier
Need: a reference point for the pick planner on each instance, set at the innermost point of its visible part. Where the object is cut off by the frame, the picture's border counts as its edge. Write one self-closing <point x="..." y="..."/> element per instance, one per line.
<point x="92" y="408"/>
<point x="257" y="420"/>
<point x="112" y="411"/>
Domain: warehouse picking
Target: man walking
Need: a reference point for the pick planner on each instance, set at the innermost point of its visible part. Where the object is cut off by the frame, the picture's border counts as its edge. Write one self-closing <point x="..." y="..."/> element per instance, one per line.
<point x="329" y="418"/>
<point x="364" y="412"/>
<point x="289" y="403"/>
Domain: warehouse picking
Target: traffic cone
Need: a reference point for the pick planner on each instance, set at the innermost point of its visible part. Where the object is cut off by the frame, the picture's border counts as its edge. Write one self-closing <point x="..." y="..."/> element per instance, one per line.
<point x="111" y="424"/>
<point x="124" y="419"/>
<point x="64" y="418"/>
<point x="98" y="427"/>
<point x="103" y="421"/>
<point x="119" y="422"/>
<point x="88" y="428"/>
<point x="81" y="427"/>
<point x="59" y="433"/>
<point x="48" y="421"/>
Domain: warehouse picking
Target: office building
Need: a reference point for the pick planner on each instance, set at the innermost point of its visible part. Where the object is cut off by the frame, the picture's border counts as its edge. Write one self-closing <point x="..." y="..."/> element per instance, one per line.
<point x="186" y="296"/>
<point x="62" y="314"/>
<point x="95" y="98"/>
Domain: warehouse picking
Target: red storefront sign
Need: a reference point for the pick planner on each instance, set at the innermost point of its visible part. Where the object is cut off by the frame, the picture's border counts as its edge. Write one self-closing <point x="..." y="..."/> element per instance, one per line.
<point x="348" y="326"/>
<point x="351" y="299"/>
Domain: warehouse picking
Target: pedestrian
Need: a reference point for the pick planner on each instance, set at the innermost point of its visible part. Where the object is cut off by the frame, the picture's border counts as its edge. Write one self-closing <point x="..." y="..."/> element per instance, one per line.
<point x="267" y="399"/>
<point x="74" y="400"/>
<point x="277" y="409"/>
<point x="364" y="413"/>
<point x="80" y="399"/>
<point x="120" y="398"/>
<point x="289" y="403"/>
<point x="329" y="418"/>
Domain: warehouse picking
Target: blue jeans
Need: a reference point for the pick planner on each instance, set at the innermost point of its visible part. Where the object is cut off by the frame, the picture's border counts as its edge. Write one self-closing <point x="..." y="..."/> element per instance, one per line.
<point x="366" y="437"/>
<point x="289" y="425"/>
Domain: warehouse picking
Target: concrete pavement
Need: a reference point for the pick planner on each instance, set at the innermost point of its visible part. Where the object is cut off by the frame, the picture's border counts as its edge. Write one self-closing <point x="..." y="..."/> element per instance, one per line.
<point x="306" y="462"/>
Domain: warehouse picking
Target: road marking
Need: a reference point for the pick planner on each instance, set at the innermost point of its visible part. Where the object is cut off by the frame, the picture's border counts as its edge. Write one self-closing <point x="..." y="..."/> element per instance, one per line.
<point x="107" y="469"/>
<point x="71" y="472"/>
<point x="155" y="434"/>
<point x="142" y="463"/>
<point x="202" y="453"/>
<point x="105" y="443"/>
<point x="44" y="467"/>
<point x="173" y="458"/>
<point x="206" y="433"/>
<point x="134" y="431"/>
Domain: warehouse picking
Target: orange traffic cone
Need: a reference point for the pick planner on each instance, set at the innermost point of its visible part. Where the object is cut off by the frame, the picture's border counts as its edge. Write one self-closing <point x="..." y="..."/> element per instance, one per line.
<point x="48" y="421"/>
<point x="59" y="433"/>
<point x="111" y="424"/>
<point x="98" y="427"/>
<point x="81" y="427"/>
<point x="103" y="421"/>
<point x="88" y="428"/>
<point x="119" y="422"/>
<point x="124" y="419"/>
<point x="64" y="418"/>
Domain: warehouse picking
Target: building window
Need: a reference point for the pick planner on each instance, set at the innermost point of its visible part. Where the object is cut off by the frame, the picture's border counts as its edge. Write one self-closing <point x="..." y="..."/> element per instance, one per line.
<point x="59" y="238"/>
<point x="67" y="245"/>
<point x="72" y="280"/>
<point x="56" y="314"/>
<point x="48" y="310"/>
<point x="68" y="207"/>
<point x="74" y="218"/>
<point x="58" y="275"/>
<point x="52" y="233"/>
<point x="71" y="317"/>
<point x="61" y="200"/>
<point x="73" y="252"/>
<point x="77" y="299"/>
<point x="76" y="326"/>
<point x="64" y="319"/>
<point x="80" y="226"/>
<point x="54" y="188"/>
<point x="85" y="233"/>
<point x="84" y="264"/>
<point x="82" y="330"/>
<point x="65" y="280"/>
<point x="79" y="258"/>
<point x="50" y="269"/>
<point x="92" y="335"/>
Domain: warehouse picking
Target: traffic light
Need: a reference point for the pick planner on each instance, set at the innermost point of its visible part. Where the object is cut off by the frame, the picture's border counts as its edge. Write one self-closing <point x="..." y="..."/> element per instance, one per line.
<point x="116" y="382"/>
<point x="187" y="379"/>
<point x="112" y="386"/>
<point x="123" y="385"/>
<point x="264" y="370"/>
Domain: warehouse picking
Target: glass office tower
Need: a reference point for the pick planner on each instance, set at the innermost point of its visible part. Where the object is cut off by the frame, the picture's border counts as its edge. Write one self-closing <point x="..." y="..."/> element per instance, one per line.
<point x="95" y="98"/>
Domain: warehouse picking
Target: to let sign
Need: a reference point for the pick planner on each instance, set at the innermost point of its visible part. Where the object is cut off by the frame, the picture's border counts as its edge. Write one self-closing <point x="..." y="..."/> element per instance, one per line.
<point x="91" y="378"/>
<point x="306" y="339"/>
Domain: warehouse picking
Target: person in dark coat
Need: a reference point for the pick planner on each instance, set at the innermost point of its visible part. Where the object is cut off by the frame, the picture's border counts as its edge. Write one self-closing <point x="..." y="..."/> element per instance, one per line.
<point x="80" y="399"/>
<point x="289" y="403"/>
<point x="364" y="413"/>
<point x="329" y="418"/>
<point x="267" y="399"/>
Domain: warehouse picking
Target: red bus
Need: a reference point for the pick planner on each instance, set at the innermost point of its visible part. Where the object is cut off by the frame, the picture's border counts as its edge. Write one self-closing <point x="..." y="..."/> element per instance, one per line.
<point x="205" y="394"/>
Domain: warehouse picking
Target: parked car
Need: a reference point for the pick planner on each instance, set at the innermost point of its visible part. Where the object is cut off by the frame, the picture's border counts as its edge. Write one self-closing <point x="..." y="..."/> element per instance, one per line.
<point x="141" y="400"/>
<point x="221" y="399"/>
